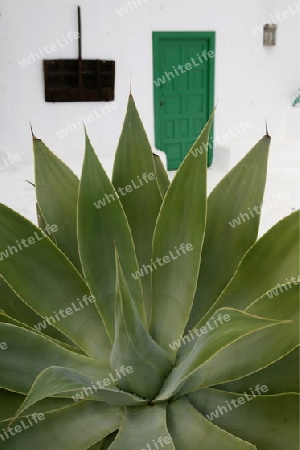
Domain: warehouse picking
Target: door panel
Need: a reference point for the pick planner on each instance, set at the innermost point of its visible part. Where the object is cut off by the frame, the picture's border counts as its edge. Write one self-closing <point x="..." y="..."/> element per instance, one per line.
<point x="183" y="90"/>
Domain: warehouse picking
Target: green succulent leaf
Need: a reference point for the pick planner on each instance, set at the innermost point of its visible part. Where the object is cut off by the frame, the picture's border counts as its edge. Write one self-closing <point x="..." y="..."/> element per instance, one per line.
<point x="42" y="223"/>
<point x="135" y="348"/>
<point x="28" y="353"/>
<point x="41" y="271"/>
<point x="13" y="307"/>
<point x="161" y="175"/>
<point x="11" y="401"/>
<point x="282" y="377"/>
<point x="66" y="382"/>
<point x="190" y="430"/>
<point x="213" y="342"/>
<point x="255" y="351"/>
<point x="181" y="223"/>
<point x="141" y="427"/>
<point x="57" y="193"/>
<point x="99" y="229"/>
<point x="40" y="218"/>
<point x="226" y="242"/>
<point x="269" y="422"/>
<point x="271" y="261"/>
<point x="4" y="318"/>
<point x="134" y="178"/>
<point x="75" y="427"/>
<point x="49" y="404"/>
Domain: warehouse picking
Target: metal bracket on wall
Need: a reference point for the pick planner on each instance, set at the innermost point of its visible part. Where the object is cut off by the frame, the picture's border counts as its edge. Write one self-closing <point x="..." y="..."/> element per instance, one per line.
<point x="79" y="80"/>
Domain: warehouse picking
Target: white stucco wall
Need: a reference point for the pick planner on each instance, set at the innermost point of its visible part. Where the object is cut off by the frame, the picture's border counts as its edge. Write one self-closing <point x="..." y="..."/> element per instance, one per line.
<point x="252" y="82"/>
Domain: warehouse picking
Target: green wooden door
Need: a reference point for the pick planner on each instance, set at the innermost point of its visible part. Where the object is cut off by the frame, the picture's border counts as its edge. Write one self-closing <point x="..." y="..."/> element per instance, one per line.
<point x="183" y="69"/>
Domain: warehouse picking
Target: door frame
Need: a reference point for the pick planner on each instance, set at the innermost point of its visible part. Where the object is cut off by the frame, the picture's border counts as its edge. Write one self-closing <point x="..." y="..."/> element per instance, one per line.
<point x="157" y="36"/>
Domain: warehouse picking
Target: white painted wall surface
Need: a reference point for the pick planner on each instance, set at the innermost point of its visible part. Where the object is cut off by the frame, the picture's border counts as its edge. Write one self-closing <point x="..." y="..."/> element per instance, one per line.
<point x="252" y="82"/>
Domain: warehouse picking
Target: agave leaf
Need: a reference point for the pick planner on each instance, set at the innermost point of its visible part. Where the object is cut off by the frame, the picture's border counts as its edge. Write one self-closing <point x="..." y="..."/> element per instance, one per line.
<point x="4" y="318"/>
<point x="135" y="348"/>
<point x="134" y="171"/>
<point x="282" y="377"/>
<point x="262" y="347"/>
<point x="49" y="404"/>
<point x="44" y="279"/>
<point x="11" y="401"/>
<point x="75" y="427"/>
<point x="255" y="351"/>
<point x="57" y="193"/>
<point x="40" y="218"/>
<point x="161" y="175"/>
<point x="42" y="223"/>
<point x="28" y="353"/>
<point x="213" y="342"/>
<point x="272" y="260"/>
<point x="269" y="422"/>
<point x="181" y="222"/>
<point x="64" y="382"/>
<point x="98" y="230"/>
<point x="190" y="430"/>
<point x="142" y="427"/>
<point x="224" y="245"/>
<point x="13" y="307"/>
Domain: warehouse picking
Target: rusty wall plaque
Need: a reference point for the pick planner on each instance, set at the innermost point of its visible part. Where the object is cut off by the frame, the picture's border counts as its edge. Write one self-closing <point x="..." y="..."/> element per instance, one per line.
<point x="79" y="80"/>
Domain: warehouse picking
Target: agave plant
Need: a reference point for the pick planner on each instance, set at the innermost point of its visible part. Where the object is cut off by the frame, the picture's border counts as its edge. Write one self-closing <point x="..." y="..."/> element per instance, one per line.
<point x="136" y="317"/>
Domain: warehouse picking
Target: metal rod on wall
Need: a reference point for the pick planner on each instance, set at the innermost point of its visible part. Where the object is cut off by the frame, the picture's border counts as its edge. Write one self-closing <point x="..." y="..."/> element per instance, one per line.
<point x="79" y="31"/>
